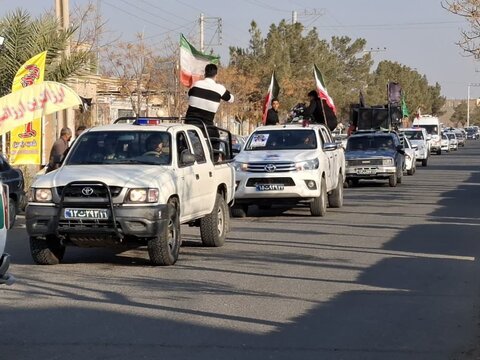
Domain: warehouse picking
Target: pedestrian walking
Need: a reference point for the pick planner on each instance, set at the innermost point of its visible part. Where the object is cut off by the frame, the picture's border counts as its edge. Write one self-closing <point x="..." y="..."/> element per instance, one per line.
<point x="58" y="149"/>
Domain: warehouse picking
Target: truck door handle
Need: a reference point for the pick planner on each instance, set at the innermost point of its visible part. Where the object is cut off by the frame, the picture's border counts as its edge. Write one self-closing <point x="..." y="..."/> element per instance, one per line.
<point x="197" y="176"/>
<point x="210" y="173"/>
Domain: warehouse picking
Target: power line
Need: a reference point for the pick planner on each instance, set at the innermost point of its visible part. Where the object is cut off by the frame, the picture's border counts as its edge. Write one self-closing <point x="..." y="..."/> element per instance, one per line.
<point x="163" y="10"/>
<point x="148" y="12"/>
<point x="406" y="24"/>
<point x="266" y="6"/>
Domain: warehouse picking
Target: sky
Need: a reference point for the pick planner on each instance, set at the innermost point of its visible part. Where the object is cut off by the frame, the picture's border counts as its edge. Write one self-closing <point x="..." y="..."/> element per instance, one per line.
<point x="416" y="33"/>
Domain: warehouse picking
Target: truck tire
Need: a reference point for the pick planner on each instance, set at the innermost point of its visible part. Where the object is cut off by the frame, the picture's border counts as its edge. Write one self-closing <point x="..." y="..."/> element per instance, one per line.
<point x="424" y="162"/>
<point x="46" y="251"/>
<point x="12" y="212"/>
<point x="318" y="207"/>
<point x="214" y="226"/>
<point x="164" y="249"/>
<point x="239" y="211"/>
<point x="335" y="199"/>
<point x="412" y="170"/>
<point x="392" y="180"/>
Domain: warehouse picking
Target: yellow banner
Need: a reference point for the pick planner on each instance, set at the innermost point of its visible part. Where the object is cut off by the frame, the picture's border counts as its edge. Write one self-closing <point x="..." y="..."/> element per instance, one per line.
<point x="26" y="140"/>
<point x="33" y="102"/>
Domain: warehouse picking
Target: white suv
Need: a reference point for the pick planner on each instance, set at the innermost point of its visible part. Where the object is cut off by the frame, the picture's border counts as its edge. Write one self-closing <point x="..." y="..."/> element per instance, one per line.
<point x="290" y="164"/>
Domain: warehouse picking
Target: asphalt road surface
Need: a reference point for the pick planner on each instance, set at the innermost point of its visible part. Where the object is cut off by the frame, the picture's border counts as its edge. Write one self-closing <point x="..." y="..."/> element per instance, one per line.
<point x="394" y="274"/>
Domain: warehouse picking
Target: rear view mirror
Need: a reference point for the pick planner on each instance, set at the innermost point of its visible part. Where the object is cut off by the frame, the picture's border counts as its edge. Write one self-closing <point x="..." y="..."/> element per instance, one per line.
<point x="415" y="147"/>
<point x="429" y="137"/>
<point x="187" y="158"/>
<point x="330" y="146"/>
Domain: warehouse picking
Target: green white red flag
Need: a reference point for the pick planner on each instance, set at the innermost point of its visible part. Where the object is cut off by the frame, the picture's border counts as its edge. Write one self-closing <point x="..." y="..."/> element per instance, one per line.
<point x="273" y="91"/>
<point x="322" y="89"/>
<point x="193" y="62"/>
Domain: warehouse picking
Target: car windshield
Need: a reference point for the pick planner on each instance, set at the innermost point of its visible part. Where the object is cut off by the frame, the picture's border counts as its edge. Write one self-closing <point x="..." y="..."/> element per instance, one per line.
<point x="413" y="135"/>
<point x="121" y="147"/>
<point x="282" y="140"/>
<point x="451" y="136"/>
<point x="364" y="143"/>
<point x="444" y="137"/>
<point x="431" y="129"/>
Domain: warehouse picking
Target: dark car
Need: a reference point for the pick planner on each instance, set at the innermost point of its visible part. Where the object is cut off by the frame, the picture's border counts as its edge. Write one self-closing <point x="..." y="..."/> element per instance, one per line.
<point x="14" y="179"/>
<point x="375" y="155"/>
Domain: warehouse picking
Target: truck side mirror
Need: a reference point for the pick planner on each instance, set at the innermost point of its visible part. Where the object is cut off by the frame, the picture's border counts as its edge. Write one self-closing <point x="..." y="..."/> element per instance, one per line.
<point x="330" y="146"/>
<point x="187" y="158"/>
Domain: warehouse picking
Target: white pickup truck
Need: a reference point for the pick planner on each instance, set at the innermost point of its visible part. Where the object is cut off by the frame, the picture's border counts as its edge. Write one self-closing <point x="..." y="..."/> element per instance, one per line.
<point x="5" y="277"/>
<point x="133" y="185"/>
<point x="290" y="164"/>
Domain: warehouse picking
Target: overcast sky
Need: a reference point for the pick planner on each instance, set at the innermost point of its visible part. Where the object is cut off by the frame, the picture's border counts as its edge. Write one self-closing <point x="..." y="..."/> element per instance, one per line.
<point x="417" y="33"/>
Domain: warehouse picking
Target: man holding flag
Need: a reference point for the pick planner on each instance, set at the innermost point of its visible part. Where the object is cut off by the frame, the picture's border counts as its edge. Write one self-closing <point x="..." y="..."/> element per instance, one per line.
<point x="272" y="113"/>
<point x="270" y="117"/>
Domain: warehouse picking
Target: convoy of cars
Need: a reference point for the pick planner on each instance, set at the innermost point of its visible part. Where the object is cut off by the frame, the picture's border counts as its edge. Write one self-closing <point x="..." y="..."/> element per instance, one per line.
<point x="134" y="183"/>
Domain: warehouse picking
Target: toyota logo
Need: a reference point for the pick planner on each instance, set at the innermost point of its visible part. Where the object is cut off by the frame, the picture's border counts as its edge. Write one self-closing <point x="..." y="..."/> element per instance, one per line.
<point x="270" y="168"/>
<point x="87" y="191"/>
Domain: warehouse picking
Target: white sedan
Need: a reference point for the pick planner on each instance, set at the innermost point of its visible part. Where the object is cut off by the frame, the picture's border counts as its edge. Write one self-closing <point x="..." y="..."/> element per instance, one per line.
<point x="410" y="154"/>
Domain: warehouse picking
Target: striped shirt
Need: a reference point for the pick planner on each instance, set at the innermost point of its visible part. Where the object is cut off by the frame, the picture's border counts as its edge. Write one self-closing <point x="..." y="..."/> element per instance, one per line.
<point x="204" y="99"/>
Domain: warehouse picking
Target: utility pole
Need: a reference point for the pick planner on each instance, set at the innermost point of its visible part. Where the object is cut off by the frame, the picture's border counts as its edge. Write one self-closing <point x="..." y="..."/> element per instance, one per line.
<point x="217" y="25"/>
<point x="202" y="32"/>
<point x="294" y="17"/>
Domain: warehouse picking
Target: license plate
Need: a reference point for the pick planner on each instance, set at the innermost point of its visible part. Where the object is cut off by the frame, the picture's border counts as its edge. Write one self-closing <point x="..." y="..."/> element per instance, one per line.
<point x="269" y="187"/>
<point x="92" y="214"/>
<point x="366" y="171"/>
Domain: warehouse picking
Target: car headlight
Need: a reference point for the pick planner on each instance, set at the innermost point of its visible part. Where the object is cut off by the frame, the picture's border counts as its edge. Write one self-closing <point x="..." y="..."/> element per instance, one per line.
<point x="143" y="195"/>
<point x="308" y="165"/>
<point x="41" y="195"/>
<point x="387" y="162"/>
<point x="239" y="166"/>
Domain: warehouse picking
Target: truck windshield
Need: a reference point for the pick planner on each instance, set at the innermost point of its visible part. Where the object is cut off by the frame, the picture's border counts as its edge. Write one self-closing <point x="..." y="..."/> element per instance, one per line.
<point x="121" y="147"/>
<point x="282" y="140"/>
<point x="413" y="135"/>
<point x="364" y="143"/>
<point x="431" y="129"/>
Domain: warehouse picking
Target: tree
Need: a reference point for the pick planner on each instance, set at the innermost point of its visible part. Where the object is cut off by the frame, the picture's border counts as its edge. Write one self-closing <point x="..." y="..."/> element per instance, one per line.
<point x="26" y="36"/>
<point x="137" y="69"/>
<point x="470" y="11"/>
<point x="459" y="116"/>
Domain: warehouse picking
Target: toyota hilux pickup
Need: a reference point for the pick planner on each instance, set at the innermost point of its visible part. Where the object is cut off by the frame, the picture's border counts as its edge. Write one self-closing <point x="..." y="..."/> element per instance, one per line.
<point x="132" y="185"/>
<point x="290" y="164"/>
<point x="375" y="155"/>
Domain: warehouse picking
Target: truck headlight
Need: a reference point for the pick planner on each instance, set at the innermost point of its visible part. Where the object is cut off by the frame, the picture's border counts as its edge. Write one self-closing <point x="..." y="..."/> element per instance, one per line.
<point x="42" y="195"/>
<point x="307" y="165"/>
<point x="143" y="195"/>
<point x="387" y="162"/>
<point x="239" y="166"/>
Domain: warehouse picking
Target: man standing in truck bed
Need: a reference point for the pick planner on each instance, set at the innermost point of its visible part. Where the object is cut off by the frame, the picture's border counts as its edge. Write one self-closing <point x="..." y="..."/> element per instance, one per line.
<point x="204" y="99"/>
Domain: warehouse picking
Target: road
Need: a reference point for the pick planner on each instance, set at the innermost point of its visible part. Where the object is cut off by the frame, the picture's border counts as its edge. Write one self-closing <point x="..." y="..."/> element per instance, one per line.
<point x="391" y="275"/>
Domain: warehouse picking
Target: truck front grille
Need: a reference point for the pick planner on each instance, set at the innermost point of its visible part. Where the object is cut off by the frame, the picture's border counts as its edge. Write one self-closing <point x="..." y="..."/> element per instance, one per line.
<point x="98" y="191"/>
<point x="365" y="162"/>
<point x="271" y="167"/>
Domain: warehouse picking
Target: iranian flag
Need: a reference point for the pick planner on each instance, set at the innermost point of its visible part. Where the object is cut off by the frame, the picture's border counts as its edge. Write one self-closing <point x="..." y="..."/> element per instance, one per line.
<point x="322" y="89"/>
<point x="193" y="62"/>
<point x="272" y="93"/>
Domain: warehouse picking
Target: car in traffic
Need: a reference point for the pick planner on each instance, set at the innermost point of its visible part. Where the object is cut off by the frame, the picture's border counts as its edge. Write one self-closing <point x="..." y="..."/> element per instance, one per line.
<point x="460" y="137"/>
<point x="472" y="133"/>
<point x="432" y="126"/>
<point x="14" y="179"/>
<point x="418" y="136"/>
<point x="5" y="277"/>
<point x="238" y="142"/>
<point x="374" y="155"/>
<point x="290" y="164"/>
<point x="452" y="138"/>
<point x="131" y="185"/>
<point x="445" y="143"/>
<point x="410" y="154"/>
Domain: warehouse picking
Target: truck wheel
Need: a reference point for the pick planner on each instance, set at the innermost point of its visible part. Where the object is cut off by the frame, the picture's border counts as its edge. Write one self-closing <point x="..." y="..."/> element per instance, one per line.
<point x="47" y="251"/>
<point x="214" y="226"/>
<point x="318" y="207"/>
<point x="239" y="211"/>
<point x="411" y="171"/>
<point x="425" y="162"/>
<point x="165" y="247"/>
<point x="392" y="180"/>
<point x="12" y="212"/>
<point x="335" y="199"/>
